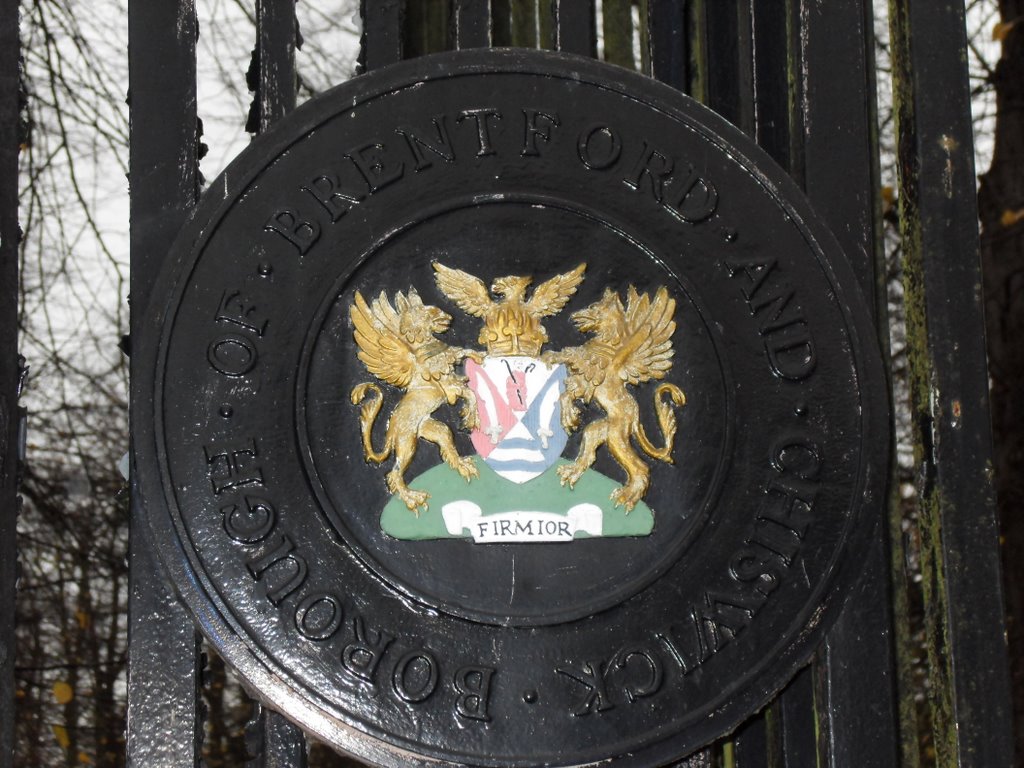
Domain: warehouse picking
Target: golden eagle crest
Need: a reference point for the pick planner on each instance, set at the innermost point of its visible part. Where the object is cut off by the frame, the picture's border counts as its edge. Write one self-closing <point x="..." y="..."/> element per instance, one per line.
<point x="631" y="344"/>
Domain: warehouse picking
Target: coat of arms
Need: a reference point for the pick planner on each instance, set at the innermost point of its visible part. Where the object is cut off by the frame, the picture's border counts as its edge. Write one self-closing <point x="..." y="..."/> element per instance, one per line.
<point x="519" y="403"/>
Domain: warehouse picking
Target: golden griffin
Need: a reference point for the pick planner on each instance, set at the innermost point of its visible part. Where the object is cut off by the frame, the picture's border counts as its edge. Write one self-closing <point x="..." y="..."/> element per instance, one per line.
<point x="397" y="345"/>
<point x="630" y="344"/>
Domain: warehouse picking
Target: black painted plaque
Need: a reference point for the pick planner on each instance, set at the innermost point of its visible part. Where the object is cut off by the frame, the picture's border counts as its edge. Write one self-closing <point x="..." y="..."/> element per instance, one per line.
<point x="510" y="409"/>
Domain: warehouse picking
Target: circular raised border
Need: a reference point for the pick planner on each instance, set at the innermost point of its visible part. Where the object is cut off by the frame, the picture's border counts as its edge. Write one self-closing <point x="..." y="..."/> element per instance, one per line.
<point x="215" y="617"/>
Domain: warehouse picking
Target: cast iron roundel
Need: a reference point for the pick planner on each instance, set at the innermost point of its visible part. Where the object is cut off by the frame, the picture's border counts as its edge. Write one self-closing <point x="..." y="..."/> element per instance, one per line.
<point x="510" y="409"/>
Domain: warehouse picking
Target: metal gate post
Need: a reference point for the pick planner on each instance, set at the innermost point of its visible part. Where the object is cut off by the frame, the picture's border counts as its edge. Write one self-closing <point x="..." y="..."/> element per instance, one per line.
<point x="163" y="652"/>
<point x="9" y="367"/>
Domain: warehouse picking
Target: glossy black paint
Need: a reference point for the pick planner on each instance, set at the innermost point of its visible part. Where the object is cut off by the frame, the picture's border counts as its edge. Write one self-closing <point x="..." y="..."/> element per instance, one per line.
<point x="163" y="650"/>
<point x="850" y="695"/>
<point x="9" y="367"/>
<point x="512" y="210"/>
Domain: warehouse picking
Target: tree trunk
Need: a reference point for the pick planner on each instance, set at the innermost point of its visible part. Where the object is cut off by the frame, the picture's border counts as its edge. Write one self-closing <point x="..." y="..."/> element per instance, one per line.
<point x="1001" y="202"/>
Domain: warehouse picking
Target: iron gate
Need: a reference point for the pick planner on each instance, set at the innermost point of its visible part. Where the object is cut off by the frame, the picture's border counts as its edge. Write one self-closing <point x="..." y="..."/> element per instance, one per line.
<point x="798" y="78"/>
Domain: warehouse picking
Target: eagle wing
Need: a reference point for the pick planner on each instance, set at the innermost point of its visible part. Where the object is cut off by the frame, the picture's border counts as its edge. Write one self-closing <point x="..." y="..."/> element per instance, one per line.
<point x="647" y="349"/>
<point x="467" y="291"/>
<point x="551" y="295"/>
<point x="381" y="347"/>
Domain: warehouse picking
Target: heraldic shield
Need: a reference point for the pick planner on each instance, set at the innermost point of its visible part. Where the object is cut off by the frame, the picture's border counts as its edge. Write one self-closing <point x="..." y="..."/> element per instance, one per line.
<point x="517" y="398"/>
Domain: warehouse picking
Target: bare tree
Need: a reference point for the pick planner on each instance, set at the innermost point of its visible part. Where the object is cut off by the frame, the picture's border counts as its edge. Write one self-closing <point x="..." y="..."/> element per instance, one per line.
<point x="1001" y="202"/>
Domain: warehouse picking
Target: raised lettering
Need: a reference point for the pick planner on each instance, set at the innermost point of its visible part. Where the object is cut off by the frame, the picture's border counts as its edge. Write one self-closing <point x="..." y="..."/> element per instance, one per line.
<point x="473" y="685"/>
<point x="363" y="655"/>
<point x="647" y="657"/>
<point x="796" y="455"/>
<point x="792" y="358"/>
<point x="531" y="131"/>
<point x="594" y="679"/>
<point x="302" y="233"/>
<point x="319" y="616"/>
<point x="777" y="540"/>
<point x="482" y="118"/>
<point x="231" y="467"/>
<point x="443" y="147"/>
<point x="745" y="566"/>
<point x="653" y="166"/>
<point x="289" y="568"/>
<point x="686" y="649"/>
<point x="325" y="189"/>
<point x="415" y="676"/>
<point x="788" y="508"/>
<point x="232" y="355"/>
<point x="375" y="168"/>
<point x="608" y="147"/>
<point x="249" y="522"/>
<point x="691" y="197"/>
<point x="787" y="339"/>
<point x="734" y="609"/>
<point x="755" y="272"/>
<point x="235" y="308"/>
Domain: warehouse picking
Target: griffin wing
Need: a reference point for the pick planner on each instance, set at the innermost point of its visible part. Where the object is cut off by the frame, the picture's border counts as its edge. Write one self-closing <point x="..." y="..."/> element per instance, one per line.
<point x="591" y="363"/>
<point x="468" y="292"/>
<point x="646" y="352"/>
<point x="381" y="347"/>
<point x="551" y="295"/>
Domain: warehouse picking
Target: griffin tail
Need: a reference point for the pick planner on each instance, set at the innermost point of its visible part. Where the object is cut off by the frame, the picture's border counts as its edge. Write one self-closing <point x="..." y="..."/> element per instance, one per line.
<point x="367" y="416"/>
<point x="666" y="420"/>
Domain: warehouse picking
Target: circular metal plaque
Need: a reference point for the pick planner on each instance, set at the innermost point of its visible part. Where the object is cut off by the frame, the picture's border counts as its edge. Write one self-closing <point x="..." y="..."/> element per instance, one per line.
<point x="510" y="409"/>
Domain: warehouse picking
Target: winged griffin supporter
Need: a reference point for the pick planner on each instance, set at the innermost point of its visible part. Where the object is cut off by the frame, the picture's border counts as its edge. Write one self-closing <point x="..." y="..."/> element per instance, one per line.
<point x="631" y="344"/>
<point x="397" y="345"/>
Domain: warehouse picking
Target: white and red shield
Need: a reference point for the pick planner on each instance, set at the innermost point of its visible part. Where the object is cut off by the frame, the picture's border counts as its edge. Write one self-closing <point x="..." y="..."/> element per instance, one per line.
<point x="520" y="433"/>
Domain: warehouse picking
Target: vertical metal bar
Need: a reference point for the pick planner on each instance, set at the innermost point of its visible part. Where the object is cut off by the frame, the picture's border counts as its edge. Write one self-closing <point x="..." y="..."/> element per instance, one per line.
<point x="772" y="77"/>
<point x="642" y="34"/>
<point x="425" y="27"/>
<point x="855" y="672"/>
<point x="524" y="23"/>
<point x="696" y="36"/>
<point x="381" y="42"/>
<point x="750" y="747"/>
<point x="797" y="726"/>
<point x="164" y="725"/>
<point x="547" y="18"/>
<point x="668" y="44"/>
<point x="471" y="22"/>
<point x="666" y="41"/>
<point x="283" y="744"/>
<point x="576" y="27"/>
<point x="730" y="81"/>
<point x="501" y="22"/>
<point x="617" y="16"/>
<point x="275" y="36"/>
<point x="970" y="697"/>
<point x="838" y="133"/>
<point x="9" y="237"/>
<point x="163" y="647"/>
